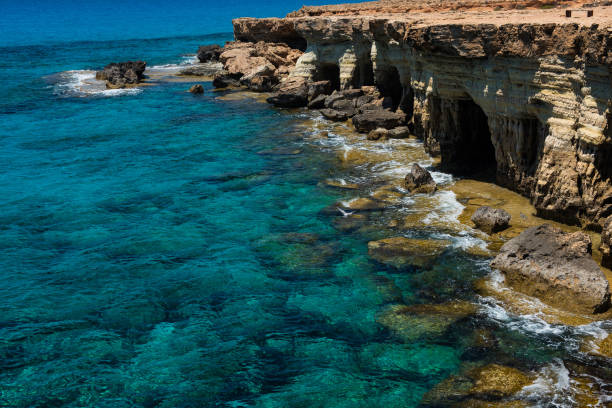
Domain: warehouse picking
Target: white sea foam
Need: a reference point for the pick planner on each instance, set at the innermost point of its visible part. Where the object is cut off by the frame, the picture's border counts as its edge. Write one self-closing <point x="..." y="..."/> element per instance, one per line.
<point x="83" y="83"/>
<point x="173" y="68"/>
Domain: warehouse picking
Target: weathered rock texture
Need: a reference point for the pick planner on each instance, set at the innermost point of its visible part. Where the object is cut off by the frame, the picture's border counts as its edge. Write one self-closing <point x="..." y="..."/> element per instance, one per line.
<point x="491" y="220"/>
<point x="531" y="100"/>
<point x="259" y="66"/>
<point x="419" y="180"/>
<point x="555" y="267"/>
<point x="122" y="74"/>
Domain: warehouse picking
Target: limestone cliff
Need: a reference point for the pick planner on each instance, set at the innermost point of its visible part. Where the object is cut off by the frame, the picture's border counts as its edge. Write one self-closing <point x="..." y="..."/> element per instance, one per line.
<point x="531" y="99"/>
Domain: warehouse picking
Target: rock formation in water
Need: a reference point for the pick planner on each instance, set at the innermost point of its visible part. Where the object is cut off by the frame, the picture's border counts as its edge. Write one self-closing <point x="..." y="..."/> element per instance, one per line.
<point x="419" y="180"/>
<point x="556" y="267"/>
<point x="209" y="53"/>
<point x="491" y="220"/>
<point x="122" y="74"/>
<point x="528" y="99"/>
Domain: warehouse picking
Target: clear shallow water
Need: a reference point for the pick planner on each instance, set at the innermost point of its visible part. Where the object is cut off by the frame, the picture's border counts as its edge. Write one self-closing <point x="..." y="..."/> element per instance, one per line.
<point x="162" y="250"/>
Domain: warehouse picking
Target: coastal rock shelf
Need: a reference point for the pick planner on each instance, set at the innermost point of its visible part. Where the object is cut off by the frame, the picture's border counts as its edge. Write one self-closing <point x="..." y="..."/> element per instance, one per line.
<point x="530" y="100"/>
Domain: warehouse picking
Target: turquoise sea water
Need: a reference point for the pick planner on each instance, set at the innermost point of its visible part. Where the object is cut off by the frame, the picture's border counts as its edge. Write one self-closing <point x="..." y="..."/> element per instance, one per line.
<point x="164" y="250"/>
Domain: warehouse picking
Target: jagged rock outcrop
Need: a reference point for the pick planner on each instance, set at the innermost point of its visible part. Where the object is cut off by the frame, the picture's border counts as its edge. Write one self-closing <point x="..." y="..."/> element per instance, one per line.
<point x="555" y="267"/>
<point x="122" y="74"/>
<point x="531" y="100"/>
<point x="419" y="180"/>
<point x="259" y="66"/>
<point x="209" y="53"/>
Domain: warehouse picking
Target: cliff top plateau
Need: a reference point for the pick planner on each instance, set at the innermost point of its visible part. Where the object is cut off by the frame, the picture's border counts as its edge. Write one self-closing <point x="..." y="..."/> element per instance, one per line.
<point x="383" y="7"/>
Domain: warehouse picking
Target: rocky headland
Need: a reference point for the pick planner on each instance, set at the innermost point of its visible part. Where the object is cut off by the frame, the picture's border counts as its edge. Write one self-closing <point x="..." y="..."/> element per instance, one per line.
<point x="533" y="85"/>
<point x="518" y="96"/>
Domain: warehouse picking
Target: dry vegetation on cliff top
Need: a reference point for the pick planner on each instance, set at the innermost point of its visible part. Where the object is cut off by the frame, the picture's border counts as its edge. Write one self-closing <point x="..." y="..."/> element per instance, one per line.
<point x="405" y="6"/>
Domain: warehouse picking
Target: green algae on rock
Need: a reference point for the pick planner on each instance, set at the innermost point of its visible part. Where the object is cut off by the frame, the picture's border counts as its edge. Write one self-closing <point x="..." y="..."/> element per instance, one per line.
<point x="401" y="251"/>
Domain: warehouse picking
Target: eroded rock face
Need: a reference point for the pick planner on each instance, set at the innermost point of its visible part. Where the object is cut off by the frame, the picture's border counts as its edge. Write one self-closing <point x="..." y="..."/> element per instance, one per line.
<point x="530" y="100"/>
<point x="606" y="243"/>
<point x="372" y="119"/>
<point x="555" y="267"/>
<point x="491" y="220"/>
<point x="419" y="180"/>
<point x="209" y="53"/>
<point x="122" y="74"/>
<point x="259" y="66"/>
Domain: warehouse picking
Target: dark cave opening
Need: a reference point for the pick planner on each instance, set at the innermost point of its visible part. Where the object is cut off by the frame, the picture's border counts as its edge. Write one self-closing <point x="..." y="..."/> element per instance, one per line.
<point x="468" y="150"/>
<point x="331" y="73"/>
<point x="365" y="73"/>
<point x="389" y="84"/>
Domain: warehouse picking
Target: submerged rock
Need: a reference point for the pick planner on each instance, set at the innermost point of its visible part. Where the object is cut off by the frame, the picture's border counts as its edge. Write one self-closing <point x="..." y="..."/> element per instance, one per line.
<point x="207" y="53"/>
<point x="478" y="387"/>
<point x="495" y="381"/>
<point x="419" y="180"/>
<point x="555" y="267"/>
<point x="197" y="89"/>
<point x="401" y="251"/>
<point x="414" y="322"/>
<point x="362" y="204"/>
<point x="122" y="74"/>
<point x="378" y="134"/>
<point x="491" y="220"/>
<point x="372" y="119"/>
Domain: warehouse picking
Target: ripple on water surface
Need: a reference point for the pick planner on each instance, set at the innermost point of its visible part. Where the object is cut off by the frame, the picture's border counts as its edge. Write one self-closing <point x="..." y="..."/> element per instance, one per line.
<point x="189" y="252"/>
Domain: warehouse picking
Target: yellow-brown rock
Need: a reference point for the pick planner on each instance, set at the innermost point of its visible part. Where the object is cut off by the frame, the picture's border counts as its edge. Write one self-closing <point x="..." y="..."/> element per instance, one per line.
<point x="401" y="251"/>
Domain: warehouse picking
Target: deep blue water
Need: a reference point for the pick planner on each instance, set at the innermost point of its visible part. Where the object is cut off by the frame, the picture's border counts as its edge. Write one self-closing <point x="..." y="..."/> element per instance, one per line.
<point x="164" y="250"/>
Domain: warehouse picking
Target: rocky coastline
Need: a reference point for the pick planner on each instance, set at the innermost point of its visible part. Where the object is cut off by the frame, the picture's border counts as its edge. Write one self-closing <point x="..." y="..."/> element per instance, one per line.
<point x="526" y="104"/>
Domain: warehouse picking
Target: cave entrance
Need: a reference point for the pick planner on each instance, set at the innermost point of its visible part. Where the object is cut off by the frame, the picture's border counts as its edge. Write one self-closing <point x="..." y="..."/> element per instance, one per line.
<point x="389" y="84"/>
<point x="468" y="148"/>
<point x="364" y="73"/>
<point x="331" y="73"/>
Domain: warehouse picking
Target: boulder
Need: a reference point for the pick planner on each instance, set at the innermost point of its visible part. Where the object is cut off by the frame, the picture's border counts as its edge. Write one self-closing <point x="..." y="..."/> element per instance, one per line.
<point x="331" y="99"/>
<point x="337" y="116"/>
<point x="419" y="180"/>
<point x="122" y="74"/>
<point x="292" y="93"/>
<point x="207" y="53"/>
<point x="319" y="88"/>
<point x="378" y="134"/>
<point x="317" y="103"/>
<point x="606" y="243"/>
<point x="400" y="132"/>
<point x="372" y="119"/>
<point x="197" y="89"/>
<point x="555" y="267"/>
<point x="491" y="220"/>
